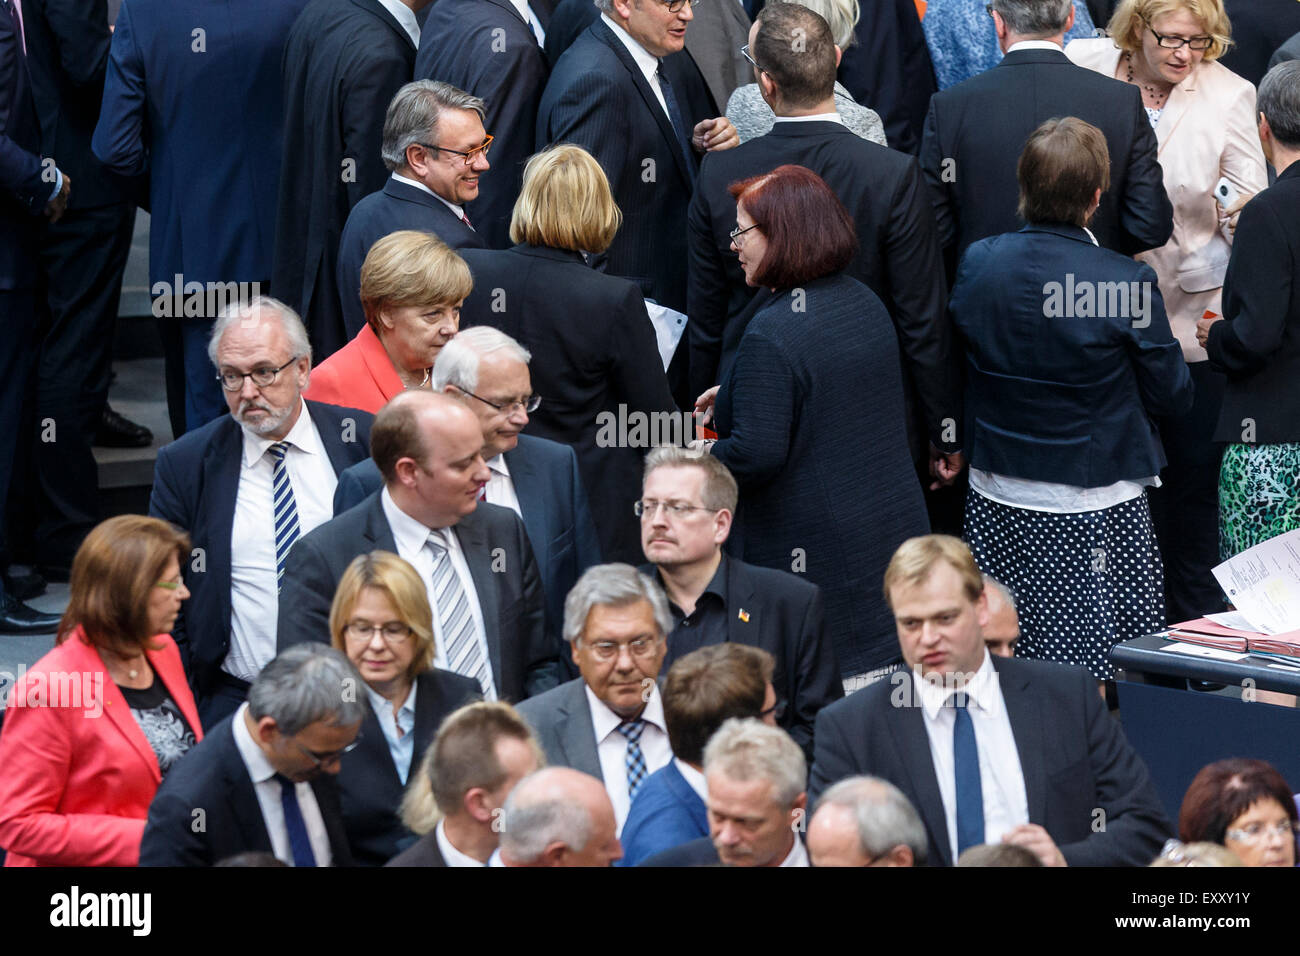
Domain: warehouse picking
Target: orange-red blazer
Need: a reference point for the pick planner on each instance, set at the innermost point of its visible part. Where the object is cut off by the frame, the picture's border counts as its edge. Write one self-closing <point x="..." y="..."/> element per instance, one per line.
<point x="359" y="375"/>
<point x="76" y="779"/>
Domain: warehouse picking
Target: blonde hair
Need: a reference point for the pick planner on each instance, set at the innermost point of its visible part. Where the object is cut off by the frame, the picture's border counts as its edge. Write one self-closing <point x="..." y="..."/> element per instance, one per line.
<point x="411" y="268"/>
<point x="401" y="584"/>
<point x="1126" y="23"/>
<point x="916" y="558"/>
<point x="565" y="202"/>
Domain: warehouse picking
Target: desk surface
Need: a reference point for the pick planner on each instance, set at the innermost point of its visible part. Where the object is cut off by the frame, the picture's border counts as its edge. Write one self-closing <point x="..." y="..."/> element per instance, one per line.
<point x="1148" y="655"/>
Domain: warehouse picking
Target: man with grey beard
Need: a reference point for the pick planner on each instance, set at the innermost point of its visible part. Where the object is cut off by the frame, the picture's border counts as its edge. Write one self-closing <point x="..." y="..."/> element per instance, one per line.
<point x="246" y="488"/>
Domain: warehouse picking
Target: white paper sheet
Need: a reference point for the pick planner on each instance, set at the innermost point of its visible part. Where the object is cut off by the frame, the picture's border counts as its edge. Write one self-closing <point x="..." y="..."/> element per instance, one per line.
<point x="1233" y="619"/>
<point x="669" y="326"/>
<point x="1263" y="583"/>
<point x="1197" y="650"/>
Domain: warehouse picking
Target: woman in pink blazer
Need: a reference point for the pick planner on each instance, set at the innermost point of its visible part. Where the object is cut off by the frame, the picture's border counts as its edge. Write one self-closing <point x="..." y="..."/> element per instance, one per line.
<point x="91" y="728"/>
<point x="1204" y="119"/>
<point x="412" y="287"/>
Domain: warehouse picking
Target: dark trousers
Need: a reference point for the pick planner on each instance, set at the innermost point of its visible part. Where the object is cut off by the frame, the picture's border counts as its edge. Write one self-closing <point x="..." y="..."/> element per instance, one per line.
<point x="17" y="357"/>
<point x="82" y="258"/>
<point x="221" y="700"/>
<point x="1185" y="509"/>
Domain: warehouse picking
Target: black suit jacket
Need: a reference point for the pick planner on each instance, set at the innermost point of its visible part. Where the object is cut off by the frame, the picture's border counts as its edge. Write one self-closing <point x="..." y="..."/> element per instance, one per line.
<point x="1258" y="342"/>
<point x="1073" y="754"/>
<point x="898" y="259"/>
<point x="212" y="778"/>
<point x="370" y="790"/>
<point x="524" y="660"/>
<point x="423" y="852"/>
<point x="586" y="371"/>
<point x="195" y="484"/>
<point x="889" y="69"/>
<point x="344" y="61"/>
<point x="1259" y="27"/>
<point x="699" y="852"/>
<point x="598" y="98"/>
<point x="784" y="616"/>
<point x="975" y="131"/>
<point x="23" y="189"/>
<point x="484" y="47"/>
<point x="395" y="207"/>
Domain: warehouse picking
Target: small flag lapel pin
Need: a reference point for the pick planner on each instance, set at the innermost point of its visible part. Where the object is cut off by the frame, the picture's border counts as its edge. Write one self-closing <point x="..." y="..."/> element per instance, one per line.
<point x="743" y="615"/>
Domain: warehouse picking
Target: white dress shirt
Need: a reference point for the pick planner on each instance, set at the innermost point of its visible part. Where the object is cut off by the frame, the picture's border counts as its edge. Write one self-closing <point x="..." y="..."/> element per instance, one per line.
<point x="1035" y="45"/>
<point x="254" y="597"/>
<point x="500" y="489"/>
<point x="450" y="855"/>
<point x="412" y="540"/>
<point x="405" y="18"/>
<point x="693" y="777"/>
<point x="401" y="746"/>
<point x="646" y="60"/>
<point x="534" y="24"/>
<point x="1002" y="781"/>
<point x="611" y="747"/>
<point x="832" y="117"/>
<point x="798" y="855"/>
<point x="267" y="789"/>
<point x="457" y="211"/>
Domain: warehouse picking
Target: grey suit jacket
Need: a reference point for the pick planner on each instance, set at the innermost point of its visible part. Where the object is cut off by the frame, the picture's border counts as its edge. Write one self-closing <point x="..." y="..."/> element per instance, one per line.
<point x="561" y="719"/>
<point x="713" y="39"/>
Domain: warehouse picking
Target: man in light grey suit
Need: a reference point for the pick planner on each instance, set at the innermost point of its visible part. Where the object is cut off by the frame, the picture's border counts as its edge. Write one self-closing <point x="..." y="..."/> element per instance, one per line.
<point x="714" y="41"/>
<point x="610" y="721"/>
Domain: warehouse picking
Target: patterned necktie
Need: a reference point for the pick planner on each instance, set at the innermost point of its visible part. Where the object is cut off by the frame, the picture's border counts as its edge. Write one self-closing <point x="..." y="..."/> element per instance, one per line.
<point x="966" y="766"/>
<point x="464" y="656"/>
<point x="679" y="124"/>
<point x="635" y="759"/>
<point x="284" y="508"/>
<point x="299" y="842"/>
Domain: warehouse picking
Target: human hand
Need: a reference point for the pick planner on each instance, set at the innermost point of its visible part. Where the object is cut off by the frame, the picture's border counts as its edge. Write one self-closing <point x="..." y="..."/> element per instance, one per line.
<point x="704" y="405"/>
<point x="714" y="134"/>
<point x="1037" y="841"/>
<point x="55" y="208"/>
<point x="945" y="467"/>
<point x="1203" y="329"/>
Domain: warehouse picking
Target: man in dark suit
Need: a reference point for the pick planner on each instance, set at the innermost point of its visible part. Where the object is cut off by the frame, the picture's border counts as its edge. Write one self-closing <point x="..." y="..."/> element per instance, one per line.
<point x="261" y="780"/>
<point x="715" y="598"/>
<point x="344" y="61"/>
<point x="492" y="50"/>
<point x="195" y="100"/>
<point x="628" y="94"/>
<point x="1259" y="28"/>
<point x="535" y="478"/>
<point x="475" y="560"/>
<point x="898" y="255"/>
<point x="988" y="748"/>
<point x="610" y="721"/>
<point x="28" y="186"/>
<point x="480" y="753"/>
<point x="975" y="131"/>
<point x="244" y="487"/>
<point x="436" y="148"/>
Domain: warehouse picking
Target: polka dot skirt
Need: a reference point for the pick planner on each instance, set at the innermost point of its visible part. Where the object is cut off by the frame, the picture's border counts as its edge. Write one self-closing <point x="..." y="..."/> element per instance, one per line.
<point x="1082" y="582"/>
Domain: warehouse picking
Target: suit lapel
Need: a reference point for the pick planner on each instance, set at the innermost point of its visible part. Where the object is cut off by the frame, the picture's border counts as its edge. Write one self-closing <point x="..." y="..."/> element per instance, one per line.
<point x="377" y="530"/>
<point x="327" y="799"/>
<point x="87" y="664"/>
<point x="577" y="736"/>
<point x="1024" y="710"/>
<point x="374" y="8"/>
<point x="243" y="797"/>
<point x="741" y="597"/>
<point x="1181" y="98"/>
<point x="173" y="679"/>
<point x="913" y="745"/>
<point x="221" y="466"/>
<point x="473" y="543"/>
<point x="328" y="430"/>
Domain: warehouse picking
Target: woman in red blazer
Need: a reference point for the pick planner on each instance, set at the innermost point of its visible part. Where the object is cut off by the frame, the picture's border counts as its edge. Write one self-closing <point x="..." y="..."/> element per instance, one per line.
<point x="412" y="287"/>
<point x="91" y="728"/>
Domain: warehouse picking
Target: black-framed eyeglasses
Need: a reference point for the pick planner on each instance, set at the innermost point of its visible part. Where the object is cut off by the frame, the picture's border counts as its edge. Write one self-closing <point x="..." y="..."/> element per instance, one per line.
<point x="320" y="760"/>
<point x="744" y="51"/>
<point x="988" y="8"/>
<point x="529" y="404"/>
<point x="738" y="232"/>
<point x="1171" y="42"/>
<point x="777" y="711"/>
<point x="481" y="148"/>
<point x="233" y="381"/>
<point x="675" y="5"/>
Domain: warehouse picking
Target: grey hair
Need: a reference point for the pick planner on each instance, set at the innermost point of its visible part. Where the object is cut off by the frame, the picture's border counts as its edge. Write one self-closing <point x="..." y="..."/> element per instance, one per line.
<point x="840" y="15"/>
<point x="1034" y="18"/>
<point x="530" y="826"/>
<point x="993" y="584"/>
<point x="613" y="585"/>
<point x="748" y="749"/>
<point x="885" y="817"/>
<point x="1279" y="101"/>
<point x="412" y="116"/>
<point x="720" y="488"/>
<point x="604" y="6"/>
<point x="245" y="311"/>
<point x="457" y="361"/>
<point x="306" y="683"/>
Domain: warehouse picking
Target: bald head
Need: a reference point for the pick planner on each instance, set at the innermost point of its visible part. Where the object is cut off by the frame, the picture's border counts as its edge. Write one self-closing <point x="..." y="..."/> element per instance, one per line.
<point x="1003" y="628"/>
<point x="559" y="817"/>
<point x="866" y="821"/>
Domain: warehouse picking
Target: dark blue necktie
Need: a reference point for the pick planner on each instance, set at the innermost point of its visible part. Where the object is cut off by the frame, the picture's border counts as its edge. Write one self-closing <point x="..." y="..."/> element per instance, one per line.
<point x="679" y="124"/>
<point x="966" y="766"/>
<point x="299" y="842"/>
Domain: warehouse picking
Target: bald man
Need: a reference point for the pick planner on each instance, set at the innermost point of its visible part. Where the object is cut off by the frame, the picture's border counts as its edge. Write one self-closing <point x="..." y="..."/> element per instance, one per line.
<point x="474" y="558"/>
<point x="1003" y="628"/>
<point x="559" y="817"/>
<point x="866" y="821"/>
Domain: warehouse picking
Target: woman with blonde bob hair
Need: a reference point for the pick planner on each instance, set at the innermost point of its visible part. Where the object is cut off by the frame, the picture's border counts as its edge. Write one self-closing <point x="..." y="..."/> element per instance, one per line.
<point x="382" y="621"/>
<point x="412" y="287"/>
<point x="593" y="347"/>
<point x="95" y="724"/>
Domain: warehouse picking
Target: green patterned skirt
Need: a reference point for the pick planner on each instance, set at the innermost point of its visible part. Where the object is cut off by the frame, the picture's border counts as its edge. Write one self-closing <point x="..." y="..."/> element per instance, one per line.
<point x="1259" y="495"/>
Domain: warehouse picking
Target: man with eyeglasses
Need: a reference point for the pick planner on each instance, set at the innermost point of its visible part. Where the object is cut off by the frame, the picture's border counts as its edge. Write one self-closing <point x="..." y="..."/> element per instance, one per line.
<point x="245" y="487"/>
<point x="262" y="779"/>
<point x="609" y="722"/>
<point x="686" y="508"/>
<point x="436" y="150"/>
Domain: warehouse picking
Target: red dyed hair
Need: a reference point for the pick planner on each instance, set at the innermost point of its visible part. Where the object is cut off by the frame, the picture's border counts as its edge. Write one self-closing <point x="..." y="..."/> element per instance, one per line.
<point x="1223" y="791"/>
<point x="809" y="232"/>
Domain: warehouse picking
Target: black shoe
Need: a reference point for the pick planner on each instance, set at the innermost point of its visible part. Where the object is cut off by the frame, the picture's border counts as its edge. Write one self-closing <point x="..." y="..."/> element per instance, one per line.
<point x="17" y="618"/>
<point x="24" y="587"/>
<point x="116" y="431"/>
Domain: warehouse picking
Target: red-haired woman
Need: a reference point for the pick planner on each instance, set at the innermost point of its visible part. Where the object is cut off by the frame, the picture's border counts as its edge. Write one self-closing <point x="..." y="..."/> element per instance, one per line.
<point x="810" y="416"/>
<point x="1245" y="805"/>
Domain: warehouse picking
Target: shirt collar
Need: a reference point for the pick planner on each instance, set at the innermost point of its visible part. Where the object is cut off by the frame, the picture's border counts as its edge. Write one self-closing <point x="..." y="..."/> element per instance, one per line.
<point x="408" y="534"/>
<point x="459" y="211"/>
<point x="380" y="704"/>
<point x="1035" y="45"/>
<point x="717" y="585"/>
<point x="450" y="855"/>
<point x="605" y="721"/>
<point x="981" y="691"/>
<point x="693" y="777"/>
<point x="832" y="117"/>
<point x="405" y="18"/>
<point x="301" y="436"/>
<point x="259" y="768"/>
<point x="798" y="855"/>
<point x="498" y="465"/>
<point x="647" y="61"/>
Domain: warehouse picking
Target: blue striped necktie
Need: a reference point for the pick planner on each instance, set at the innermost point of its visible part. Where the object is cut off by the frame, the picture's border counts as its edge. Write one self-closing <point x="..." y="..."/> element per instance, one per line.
<point x="464" y="656"/>
<point x="635" y="760"/>
<point x="285" y="510"/>
<point x="966" y="768"/>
